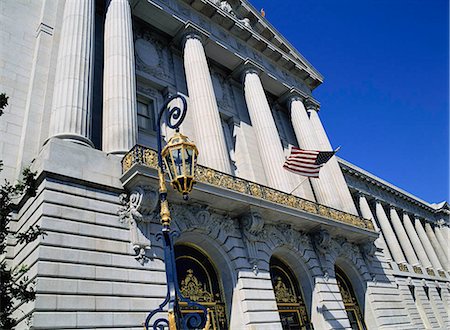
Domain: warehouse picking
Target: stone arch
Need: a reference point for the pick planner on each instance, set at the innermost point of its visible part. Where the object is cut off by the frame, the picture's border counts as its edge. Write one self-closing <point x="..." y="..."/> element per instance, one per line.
<point x="216" y="236"/>
<point x="284" y="238"/>
<point x="349" y="259"/>
<point x="301" y="271"/>
<point x="296" y="250"/>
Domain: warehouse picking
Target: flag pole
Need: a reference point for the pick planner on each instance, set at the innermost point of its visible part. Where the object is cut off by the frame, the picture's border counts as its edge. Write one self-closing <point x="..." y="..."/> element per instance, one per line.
<point x="301" y="182"/>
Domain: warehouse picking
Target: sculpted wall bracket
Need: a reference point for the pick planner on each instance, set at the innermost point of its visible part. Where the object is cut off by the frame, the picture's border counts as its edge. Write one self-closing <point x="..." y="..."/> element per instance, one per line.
<point x="322" y="243"/>
<point x="135" y="208"/>
<point x="252" y="229"/>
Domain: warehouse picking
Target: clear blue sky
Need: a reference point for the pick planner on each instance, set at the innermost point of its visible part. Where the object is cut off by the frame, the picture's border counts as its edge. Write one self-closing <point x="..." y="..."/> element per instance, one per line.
<point x="385" y="97"/>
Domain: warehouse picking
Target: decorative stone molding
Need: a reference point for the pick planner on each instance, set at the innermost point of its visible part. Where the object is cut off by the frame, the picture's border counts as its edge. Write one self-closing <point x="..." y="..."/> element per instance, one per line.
<point x="135" y="208"/>
<point x="252" y="229"/>
<point x="322" y="243"/>
<point x="190" y="217"/>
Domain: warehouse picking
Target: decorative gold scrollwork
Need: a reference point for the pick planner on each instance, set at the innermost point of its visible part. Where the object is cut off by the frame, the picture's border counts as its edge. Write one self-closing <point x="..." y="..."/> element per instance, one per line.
<point x="431" y="272"/>
<point x="282" y="293"/>
<point x="403" y="267"/>
<point x="142" y="155"/>
<point x="417" y="270"/>
<point x="195" y="290"/>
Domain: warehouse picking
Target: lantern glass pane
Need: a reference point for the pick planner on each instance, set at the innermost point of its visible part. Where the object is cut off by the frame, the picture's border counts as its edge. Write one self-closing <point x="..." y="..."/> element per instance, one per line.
<point x="178" y="161"/>
<point x="188" y="160"/>
<point x="169" y="167"/>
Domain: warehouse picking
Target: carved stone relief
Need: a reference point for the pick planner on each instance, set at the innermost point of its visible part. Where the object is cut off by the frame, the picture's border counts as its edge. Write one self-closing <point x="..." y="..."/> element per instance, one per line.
<point x="252" y="229"/>
<point x="152" y="55"/>
<point x="222" y="90"/>
<point x="134" y="209"/>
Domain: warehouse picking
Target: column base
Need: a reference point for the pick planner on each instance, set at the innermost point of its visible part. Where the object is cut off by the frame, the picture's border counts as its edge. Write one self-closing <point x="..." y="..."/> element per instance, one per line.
<point x="75" y="138"/>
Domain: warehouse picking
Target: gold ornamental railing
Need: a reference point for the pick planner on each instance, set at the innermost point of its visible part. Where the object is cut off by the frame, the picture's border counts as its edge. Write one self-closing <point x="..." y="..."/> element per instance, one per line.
<point x="146" y="156"/>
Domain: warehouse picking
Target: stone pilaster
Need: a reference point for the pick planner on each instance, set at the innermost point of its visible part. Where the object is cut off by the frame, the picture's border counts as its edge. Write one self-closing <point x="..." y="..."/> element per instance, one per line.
<point x="307" y="139"/>
<point x="203" y="106"/>
<point x="119" y="85"/>
<point x="338" y="178"/>
<point x="367" y="213"/>
<point x="269" y="143"/>
<point x="436" y="246"/>
<point x="389" y="235"/>
<point x="427" y="244"/>
<point x="403" y="238"/>
<point x="71" y="108"/>
<point x="415" y="241"/>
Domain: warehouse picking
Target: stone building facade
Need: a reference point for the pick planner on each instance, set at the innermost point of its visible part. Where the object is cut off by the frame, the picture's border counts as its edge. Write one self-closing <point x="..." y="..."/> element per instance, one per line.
<point x="85" y="80"/>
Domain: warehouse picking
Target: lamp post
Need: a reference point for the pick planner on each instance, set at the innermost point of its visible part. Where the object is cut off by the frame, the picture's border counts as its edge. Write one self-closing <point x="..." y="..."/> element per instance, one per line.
<point x="179" y="158"/>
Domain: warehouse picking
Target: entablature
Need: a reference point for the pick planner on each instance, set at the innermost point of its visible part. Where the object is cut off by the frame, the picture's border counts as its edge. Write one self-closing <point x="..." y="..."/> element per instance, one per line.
<point x="364" y="182"/>
<point x="234" y="196"/>
<point x="231" y="40"/>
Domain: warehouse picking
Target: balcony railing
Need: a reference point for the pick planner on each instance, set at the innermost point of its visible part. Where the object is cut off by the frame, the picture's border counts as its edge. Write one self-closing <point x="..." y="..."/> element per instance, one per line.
<point x="148" y="157"/>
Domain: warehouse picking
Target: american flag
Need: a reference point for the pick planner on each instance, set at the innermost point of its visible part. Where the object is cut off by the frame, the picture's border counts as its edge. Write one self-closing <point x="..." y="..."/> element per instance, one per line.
<point x="307" y="162"/>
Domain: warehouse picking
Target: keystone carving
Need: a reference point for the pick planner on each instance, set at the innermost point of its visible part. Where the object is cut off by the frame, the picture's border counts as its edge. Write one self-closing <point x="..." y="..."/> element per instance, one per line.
<point x="252" y="228"/>
<point x="134" y="209"/>
<point x="322" y="241"/>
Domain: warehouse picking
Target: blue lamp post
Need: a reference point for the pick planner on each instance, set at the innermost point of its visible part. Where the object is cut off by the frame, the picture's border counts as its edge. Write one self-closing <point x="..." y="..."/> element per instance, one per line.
<point x="178" y="159"/>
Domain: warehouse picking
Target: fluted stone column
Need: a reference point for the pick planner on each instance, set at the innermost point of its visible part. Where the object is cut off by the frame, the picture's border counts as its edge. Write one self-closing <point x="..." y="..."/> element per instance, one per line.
<point x="307" y="139"/>
<point x="72" y="97"/>
<point x="269" y="143"/>
<point x="438" y="230"/>
<point x="415" y="241"/>
<point x="203" y="106"/>
<point x="427" y="244"/>
<point x="436" y="246"/>
<point x="403" y="238"/>
<point x="119" y="85"/>
<point x="389" y="235"/>
<point x="366" y="212"/>
<point x="338" y="178"/>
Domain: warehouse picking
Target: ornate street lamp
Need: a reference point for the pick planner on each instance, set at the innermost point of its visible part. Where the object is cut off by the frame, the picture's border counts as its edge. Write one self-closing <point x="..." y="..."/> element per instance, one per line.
<point x="178" y="158"/>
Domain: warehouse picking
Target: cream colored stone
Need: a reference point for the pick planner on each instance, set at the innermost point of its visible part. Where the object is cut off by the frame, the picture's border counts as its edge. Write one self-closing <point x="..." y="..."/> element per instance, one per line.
<point x="119" y="85"/>
<point x="269" y="143"/>
<point x="427" y="245"/>
<point x="72" y="97"/>
<point x="389" y="235"/>
<point x="208" y="127"/>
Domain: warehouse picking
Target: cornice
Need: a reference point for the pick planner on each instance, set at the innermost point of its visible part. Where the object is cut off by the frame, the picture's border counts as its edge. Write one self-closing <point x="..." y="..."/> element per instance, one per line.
<point x="253" y="31"/>
<point x="361" y="174"/>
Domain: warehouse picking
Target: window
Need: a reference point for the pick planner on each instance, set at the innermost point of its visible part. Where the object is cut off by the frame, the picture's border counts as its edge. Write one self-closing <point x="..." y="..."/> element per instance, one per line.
<point x="146" y="115"/>
<point x="351" y="304"/>
<point x="198" y="281"/>
<point x="290" y="302"/>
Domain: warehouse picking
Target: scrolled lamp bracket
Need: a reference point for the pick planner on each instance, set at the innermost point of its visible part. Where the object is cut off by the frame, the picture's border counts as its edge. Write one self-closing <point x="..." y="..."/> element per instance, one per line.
<point x="178" y="158"/>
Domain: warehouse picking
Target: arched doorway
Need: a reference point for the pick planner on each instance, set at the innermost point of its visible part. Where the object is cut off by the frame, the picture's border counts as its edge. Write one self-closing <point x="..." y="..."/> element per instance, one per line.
<point x="290" y="302"/>
<point x="198" y="281"/>
<point x="351" y="304"/>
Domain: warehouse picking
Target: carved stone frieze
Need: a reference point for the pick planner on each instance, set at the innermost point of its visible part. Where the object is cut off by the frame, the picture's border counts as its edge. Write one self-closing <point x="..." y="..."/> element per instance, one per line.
<point x="190" y="217"/>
